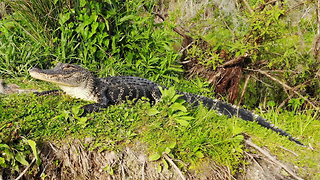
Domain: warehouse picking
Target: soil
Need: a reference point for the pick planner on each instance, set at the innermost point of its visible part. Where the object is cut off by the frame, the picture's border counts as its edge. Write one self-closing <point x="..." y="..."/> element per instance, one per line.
<point x="73" y="160"/>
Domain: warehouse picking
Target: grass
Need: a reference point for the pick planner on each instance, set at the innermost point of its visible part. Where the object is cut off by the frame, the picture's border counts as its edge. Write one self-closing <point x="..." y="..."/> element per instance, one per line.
<point x="207" y="135"/>
<point x="34" y="36"/>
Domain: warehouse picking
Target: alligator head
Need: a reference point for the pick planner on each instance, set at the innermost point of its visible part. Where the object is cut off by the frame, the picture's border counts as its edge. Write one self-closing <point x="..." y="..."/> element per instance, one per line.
<point x="72" y="79"/>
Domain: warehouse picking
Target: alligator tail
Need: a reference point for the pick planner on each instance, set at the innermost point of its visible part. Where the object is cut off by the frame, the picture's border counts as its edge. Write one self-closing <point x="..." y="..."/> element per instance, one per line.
<point x="232" y="110"/>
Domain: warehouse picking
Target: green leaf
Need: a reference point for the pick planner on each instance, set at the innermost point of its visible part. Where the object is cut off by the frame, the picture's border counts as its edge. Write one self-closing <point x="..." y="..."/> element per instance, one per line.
<point x="159" y="169"/>
<point x="195" y="149"/>
<point x="2" y="161"/>
<point x="125" y="18"/>
<point x="108" y="169"/>
<point x="75" y="109"/>
<point x="82" y="3"/>
<point x="175" y="97"/>
<point x="172" y="145"/>
<point x="65" y="114"/>
<point x="153" y="111"/>
<point x="20" y="157"/>
<point x="183" y="116"/>
<point x="63" y="18"/>
<point x="271" y="103"/>
<point x="154" y="157"/>
<point x="82" y="120"/>
<point x="177" y="106"/>
<point x="167" y="151"/>
<point x="182" y="122"/>
<point x="166" y="166"/>
<point x="35" y="151"/>
<point x="236" y="130"/>
<point x="199" y="154"/>
<point x="4" y="146"/>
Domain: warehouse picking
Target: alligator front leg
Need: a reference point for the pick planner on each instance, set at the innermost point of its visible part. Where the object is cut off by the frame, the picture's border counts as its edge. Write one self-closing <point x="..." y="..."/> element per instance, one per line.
<point x="96" y="107"/>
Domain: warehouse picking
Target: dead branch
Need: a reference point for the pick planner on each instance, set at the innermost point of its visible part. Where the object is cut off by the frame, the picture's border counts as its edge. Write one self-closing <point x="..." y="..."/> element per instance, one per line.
<point x="295" y="7"/>
<point x="289" y="151"/>
<point x="173" y="165"/>
<point x="291" y="95"/>
<point x="264" y="5"/>
<point x="285" y="101"/>
<point x="234" y="61"/>
<point x="248" y="6"/>
<point x="285" y="86"/>
<point x="26" y="169"/>
<point x="271" y="158"/>
<point x="233" y="33"/>
<point x="318" y="16"/>
<point x="163" y="19"/>
<point x="244" y="89"/>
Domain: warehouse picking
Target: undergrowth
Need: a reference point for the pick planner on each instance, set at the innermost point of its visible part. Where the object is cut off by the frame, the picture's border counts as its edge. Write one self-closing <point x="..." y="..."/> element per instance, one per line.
<point x="192" y="135"/>
<point x="122" y="38"/>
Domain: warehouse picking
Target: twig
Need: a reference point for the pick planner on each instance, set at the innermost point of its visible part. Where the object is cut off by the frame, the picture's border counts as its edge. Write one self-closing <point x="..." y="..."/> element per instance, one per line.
<point x="248" y="6"/>
<point x="285" y="101"/>
<point x="253" y="159"/>
<point x="318" y="16"/>
<point x="233" y="33"/>
<point x="244" y="89"/>
<point x="286" y="87"/>
<point x="173" y="165"/>
<point x="142" y="170"/>
<point x="183" y="49"/>
<point x="262" y="6"/>
<point x="310" y="146"/>
<point x="295" y="88"/>
<point x="55" y="150"/>
<point x="289" y="151"/>
<point x="163" y="19"/>
<point x="295" y="7"/>
<point x="25" y="170"/>
<point x="257" y="79"/>
<point x="264" y="152"/>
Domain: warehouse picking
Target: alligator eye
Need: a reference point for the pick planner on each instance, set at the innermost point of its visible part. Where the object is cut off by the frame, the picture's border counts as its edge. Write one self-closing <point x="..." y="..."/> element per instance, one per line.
<point x="67" y="66"/>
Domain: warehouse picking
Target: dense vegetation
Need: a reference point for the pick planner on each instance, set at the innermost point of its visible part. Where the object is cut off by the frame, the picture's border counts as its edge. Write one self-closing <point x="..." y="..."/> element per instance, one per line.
<point x="262" y="55"/>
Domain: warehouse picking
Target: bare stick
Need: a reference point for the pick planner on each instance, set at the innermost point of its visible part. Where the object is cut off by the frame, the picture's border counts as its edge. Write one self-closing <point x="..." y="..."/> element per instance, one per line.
<point x="290" y="97"/>
<point x="173" y="165"/>
<point x="285" y="101"/>
<point x="248" y="6"/>
<point x="244" y="89"/>
<point x="318" y="16"/>
<point x="271" y="158"/>
<point x="262" y="6"/>
<point x="26" y="169"/>
<point x="289" y="151"/>
<point x="286" y="87"/>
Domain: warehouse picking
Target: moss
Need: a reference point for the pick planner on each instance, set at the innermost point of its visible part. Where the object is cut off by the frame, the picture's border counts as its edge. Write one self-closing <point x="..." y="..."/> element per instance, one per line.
<point x="207" y="135"/>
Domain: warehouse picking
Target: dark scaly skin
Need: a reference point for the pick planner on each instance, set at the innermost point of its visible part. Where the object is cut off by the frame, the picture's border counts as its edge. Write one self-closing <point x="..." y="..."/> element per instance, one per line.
<point x="79" y="82"/>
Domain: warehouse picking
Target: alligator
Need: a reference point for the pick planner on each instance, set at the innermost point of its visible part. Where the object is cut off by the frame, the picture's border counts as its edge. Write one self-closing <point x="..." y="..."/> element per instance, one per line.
<point x="78" y="82"/>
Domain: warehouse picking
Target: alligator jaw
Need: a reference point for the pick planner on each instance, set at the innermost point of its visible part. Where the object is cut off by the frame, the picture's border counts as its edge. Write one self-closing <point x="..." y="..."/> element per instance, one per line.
<point x="49" y="77"/>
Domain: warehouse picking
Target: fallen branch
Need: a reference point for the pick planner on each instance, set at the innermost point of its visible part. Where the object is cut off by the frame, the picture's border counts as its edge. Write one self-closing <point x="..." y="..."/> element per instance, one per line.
<point x="271" y="158"/>
<point x="285" y="86"/>
<point x="173" y="165"/>
<point x="244" y="89"/>
<point x="142" y="170"/>
<point x="289" y="151"/>
<point x="248" y="6"/>
<point x="25" y="170"/>
<point x="290" y="97"/>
